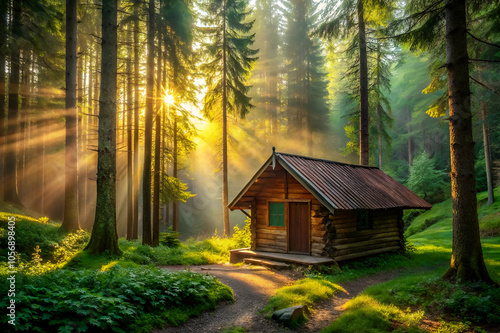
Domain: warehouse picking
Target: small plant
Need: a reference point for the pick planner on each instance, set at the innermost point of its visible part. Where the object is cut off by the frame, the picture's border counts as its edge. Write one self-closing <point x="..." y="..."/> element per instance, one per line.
<point x="243" y="237"/>
<point x="36" y="256"/>
<point x="170" y="238"/>
<point x="44" y="219"/>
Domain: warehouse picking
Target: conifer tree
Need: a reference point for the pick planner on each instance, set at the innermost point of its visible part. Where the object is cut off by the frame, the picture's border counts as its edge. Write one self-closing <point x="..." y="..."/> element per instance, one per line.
<point x="148" y="129"/>
<point x="442" y="26"/>
<point x="265" y="75"/>
<point x="104" y="237"/>
<point x="349" y="20"/>
<point x="71" y="214"/>
<point x="228" y="67"/>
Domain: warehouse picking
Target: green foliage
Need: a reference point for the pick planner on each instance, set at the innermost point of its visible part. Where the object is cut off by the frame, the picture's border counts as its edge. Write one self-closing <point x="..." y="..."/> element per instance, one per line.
<point x="489" y="221"/>
<point x="365" y="314"/>
<point x="426" y="180"/>
<point x="235" y="44"/>
<point x="117" y="300"/>
<point x="173" y="189"/>
<point x="40" y="246"/>
<point x="243" y="237"/>
<point x="303" y="292"/>
<point x="170" y="238"/>
<point x="234" y="330"/>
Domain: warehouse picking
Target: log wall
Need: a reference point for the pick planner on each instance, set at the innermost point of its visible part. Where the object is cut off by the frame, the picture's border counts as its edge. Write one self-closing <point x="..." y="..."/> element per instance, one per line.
<point x="347" y="242"/>
<point x="332" y="235"/>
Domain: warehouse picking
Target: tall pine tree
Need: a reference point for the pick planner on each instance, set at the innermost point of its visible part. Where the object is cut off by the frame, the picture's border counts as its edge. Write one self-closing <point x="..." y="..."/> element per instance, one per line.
<point x="104" y="237"/>
<point x="227" y="70"/>
<point x="442" y="27"/>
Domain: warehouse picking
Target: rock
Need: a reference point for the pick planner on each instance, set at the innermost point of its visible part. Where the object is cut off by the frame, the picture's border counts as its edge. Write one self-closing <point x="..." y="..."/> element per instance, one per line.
<point x="290" y="315"/>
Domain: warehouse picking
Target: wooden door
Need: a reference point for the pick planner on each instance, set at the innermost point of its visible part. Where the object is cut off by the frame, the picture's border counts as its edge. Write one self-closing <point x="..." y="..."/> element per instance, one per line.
<point x="298" y="227"/>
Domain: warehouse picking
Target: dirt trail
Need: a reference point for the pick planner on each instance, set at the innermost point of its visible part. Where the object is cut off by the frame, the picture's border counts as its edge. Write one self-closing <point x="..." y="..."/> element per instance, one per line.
<point x="327" y="311"/>
<point x="252" y="287"/>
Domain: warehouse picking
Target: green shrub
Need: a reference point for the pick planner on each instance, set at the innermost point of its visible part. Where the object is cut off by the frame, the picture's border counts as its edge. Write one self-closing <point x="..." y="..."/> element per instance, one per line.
<point x="30" y="232"/>
<point x="170" y="238"/>
<point x="243" y="237"/>
<point x="427" y="181"/>
<point x="110" y="301"/>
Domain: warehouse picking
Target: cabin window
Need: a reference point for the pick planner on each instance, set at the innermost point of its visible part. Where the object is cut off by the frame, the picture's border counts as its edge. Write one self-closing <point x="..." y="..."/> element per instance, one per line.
<point x="365" y="220"/>
<point x="276" y="214"/>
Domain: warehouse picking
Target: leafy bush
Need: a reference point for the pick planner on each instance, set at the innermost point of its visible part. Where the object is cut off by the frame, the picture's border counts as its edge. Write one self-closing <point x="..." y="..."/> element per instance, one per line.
<point x="117" y="300"/>
<point x="427" y="181"/>
<point x="170" y="238"/>
<point x="243" y="237"/>
<point x="29" y="233"/>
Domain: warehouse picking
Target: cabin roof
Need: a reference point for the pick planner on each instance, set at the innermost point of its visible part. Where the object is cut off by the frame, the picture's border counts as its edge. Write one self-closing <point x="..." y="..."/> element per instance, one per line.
<point x="338" y="186"/>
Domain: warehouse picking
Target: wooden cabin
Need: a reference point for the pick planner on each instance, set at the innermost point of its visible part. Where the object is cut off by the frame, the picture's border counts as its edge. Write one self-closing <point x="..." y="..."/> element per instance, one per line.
<point x="320" y="208"/>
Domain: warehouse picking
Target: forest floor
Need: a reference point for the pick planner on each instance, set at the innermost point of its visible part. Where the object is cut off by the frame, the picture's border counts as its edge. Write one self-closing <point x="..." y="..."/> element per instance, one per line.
<point x="253" y="286"/>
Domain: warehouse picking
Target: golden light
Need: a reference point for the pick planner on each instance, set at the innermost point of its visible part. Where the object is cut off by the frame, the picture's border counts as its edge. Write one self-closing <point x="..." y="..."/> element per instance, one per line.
<point x="168" y="99"/>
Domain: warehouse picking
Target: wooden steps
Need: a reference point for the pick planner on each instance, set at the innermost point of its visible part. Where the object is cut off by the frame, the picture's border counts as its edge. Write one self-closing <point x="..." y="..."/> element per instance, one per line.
<point x="266" y="263"/>
<point x="286" y="259"/>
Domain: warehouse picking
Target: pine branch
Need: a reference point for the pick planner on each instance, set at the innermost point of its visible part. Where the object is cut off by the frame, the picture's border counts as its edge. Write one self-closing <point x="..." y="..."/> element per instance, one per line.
<point x="419" y="16"/>
<point x="482" y="41"/>
<point x="484" y="85"/>
<point x="484" y="60"/>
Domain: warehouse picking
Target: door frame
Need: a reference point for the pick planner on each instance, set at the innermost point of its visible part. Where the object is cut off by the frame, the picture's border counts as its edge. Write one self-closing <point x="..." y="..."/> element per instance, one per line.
<point x="287" y="226"/>
<point x="287" y="220"/>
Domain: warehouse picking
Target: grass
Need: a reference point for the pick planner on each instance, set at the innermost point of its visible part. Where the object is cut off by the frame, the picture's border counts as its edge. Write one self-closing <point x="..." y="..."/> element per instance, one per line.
<point x="401" y="305"/>
<point x="489" y="216"/>
<point x="303" y="292"/>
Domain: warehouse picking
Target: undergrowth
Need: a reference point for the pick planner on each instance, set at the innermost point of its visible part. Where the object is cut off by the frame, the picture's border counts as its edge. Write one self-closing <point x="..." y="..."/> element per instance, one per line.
<point x="303" y="292"/>
<point x="116" y="300"/>
<point x="402" y="304"/>
<point x="62" y="288"/>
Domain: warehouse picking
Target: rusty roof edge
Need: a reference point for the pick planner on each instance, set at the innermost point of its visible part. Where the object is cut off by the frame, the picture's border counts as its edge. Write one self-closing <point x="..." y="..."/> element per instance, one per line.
<point x="247" y="186"/>
<point x="310" y="187"/>
<point x="329" y="161"/>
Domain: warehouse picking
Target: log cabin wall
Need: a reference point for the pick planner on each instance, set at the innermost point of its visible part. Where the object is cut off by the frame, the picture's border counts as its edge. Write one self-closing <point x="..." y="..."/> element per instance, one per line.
<point x="280" y="186"/>
<point x="344" y="241"/>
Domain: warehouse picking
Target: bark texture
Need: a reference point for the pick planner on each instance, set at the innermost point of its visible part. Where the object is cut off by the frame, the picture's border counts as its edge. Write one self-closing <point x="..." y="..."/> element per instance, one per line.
<point x="364" y="149"/>
<point x="225" y="189"/>
<point x="467" y="262"/>
<point x="104" y="238"/>
<point x="487" y="154"/>
<point x="10" y="172"/>
<point x="148" y="129"/>
<point x="70" y="220"/>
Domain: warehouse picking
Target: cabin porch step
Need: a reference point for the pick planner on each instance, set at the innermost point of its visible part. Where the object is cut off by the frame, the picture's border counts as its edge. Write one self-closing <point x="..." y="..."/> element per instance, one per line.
<point x="266" y="263"/>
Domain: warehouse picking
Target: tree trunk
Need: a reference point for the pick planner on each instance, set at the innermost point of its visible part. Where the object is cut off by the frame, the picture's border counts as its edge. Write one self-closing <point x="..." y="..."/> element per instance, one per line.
<point x="467" y="262"/>
<point x="379" y="109"/>
<point x="157" y="174"/>
<point x="364" y="148"/>
<point x="70" y="220"/>
<point x="487" y="154"/>
<point x="3" y="42"/>
<point x="23" y="161"/>
<point x="130" y="110"/>
<point x="410" y="150"/>
<point x="225" y="190"/>
<point x="10" y="176"/>
<point x="148" y="128"/>
<point x="379" y="126"/>
<point x="104" y="237"/>
<point x="135" y="227"/>
<point x="175" y="204"/>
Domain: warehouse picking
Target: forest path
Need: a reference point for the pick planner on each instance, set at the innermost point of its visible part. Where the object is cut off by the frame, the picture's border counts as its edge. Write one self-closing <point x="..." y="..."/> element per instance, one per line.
<point x="252" y="287"/>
